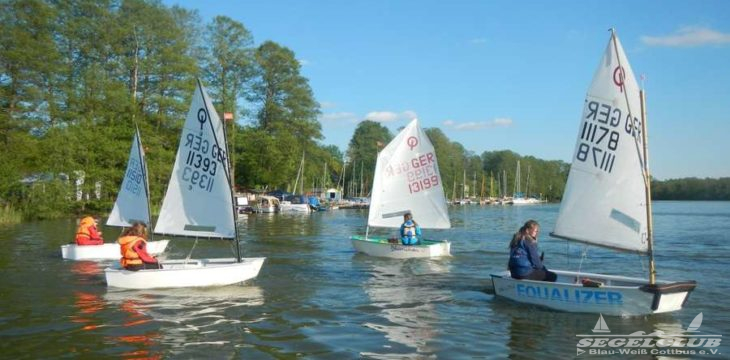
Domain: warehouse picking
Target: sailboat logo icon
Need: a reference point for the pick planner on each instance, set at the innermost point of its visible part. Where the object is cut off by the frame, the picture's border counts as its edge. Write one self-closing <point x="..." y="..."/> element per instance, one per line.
<point x="601" y="326"/>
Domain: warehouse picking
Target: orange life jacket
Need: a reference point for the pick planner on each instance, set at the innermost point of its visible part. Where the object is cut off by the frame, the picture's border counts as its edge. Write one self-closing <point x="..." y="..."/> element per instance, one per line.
<point x="126" y="246"/>
<point x="84" y="225"/>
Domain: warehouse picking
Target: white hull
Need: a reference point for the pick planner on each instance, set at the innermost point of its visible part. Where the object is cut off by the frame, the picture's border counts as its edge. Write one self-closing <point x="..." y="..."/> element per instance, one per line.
<point x="524" y="201"/>
<point x="186" y="273"/>
<point x="266" y="209"/>
<point x="618" y="296"/>
<point x="289" y="207"/>
<point x="379" y="246"/>
<point x="108" y="251"/>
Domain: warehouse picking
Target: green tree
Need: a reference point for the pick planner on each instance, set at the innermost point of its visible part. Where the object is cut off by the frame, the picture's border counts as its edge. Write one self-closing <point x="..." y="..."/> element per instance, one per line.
<point x="229" y="69"/>
<point x="367" y="140"/>
<point x="288" y="111"/>
<point x="288" y="104"/>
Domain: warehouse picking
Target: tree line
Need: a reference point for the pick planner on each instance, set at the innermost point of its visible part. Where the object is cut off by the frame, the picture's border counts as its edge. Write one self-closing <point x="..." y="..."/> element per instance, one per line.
<point x="691" y="189"/>
<point x="77" y="77"/>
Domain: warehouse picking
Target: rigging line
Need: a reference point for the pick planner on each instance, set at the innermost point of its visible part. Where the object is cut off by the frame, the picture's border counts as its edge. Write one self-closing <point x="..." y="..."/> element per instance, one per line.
<point x="584" y="255"/>
<point x="226" y="169"/>
<point x="191" y="250"/>
<point x="634" y="127"/>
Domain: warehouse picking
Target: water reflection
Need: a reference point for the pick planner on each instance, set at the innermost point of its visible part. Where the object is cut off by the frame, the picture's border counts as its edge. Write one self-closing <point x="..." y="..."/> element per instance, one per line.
<point x="142" y="339"/>
<point x="532" y="330"/>
<point x="87" y="272"/>
<point x="407" y="297"/>
<point x="87" y="304"/>
<point x="184" y="318"/>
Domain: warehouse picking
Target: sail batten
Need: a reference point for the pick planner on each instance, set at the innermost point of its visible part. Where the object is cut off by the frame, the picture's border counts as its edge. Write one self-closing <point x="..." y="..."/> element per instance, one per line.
<point x="604" y="199"/>
<point x="198" y="201"/>
<point x="407" y="179"/>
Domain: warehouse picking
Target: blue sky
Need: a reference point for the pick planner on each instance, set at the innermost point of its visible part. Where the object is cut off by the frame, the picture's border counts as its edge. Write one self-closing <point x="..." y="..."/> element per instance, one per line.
<point x="496" y="75"/>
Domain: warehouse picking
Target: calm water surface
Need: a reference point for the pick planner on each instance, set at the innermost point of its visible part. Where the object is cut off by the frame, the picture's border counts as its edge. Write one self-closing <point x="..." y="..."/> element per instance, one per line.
<point x="316" y="298"/>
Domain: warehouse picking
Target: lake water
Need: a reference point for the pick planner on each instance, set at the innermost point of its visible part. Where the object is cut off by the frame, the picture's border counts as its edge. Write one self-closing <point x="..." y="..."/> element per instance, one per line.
<point x="316" y="298"/>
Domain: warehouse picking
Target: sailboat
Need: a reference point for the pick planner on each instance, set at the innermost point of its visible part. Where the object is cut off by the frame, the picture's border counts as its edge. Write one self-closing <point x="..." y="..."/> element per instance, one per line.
<point x="406" y="180"/>
<point x="298" y="203"/>
<point x="198" y="203"/>
<point x="518" y="197"/>
<point x="601" y="326"/>
<point x="607" y="203"/>
<point x="132" y="205"/>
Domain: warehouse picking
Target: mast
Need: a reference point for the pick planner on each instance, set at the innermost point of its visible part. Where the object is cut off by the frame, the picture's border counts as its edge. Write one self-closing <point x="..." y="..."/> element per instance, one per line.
<point x="481" y="193"/>
<point x="647" y="184"/>
<point x="324" y="178"/>
<point x="463" y="186"/>
<point x="473" y="189"/>
<point x="300" y="175"/>
<point x="140" y="149"/>
<point x="504" y="183"/>
<point x="518" y="179"/>
<point x="301" y="168"/>
<point x="647" y="177"/>
<point x="344" y="169"/>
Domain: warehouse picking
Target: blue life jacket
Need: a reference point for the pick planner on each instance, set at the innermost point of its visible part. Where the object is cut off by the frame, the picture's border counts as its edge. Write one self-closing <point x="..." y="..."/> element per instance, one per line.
<point x="409" y="229"/>
<point x="519" y="260"/>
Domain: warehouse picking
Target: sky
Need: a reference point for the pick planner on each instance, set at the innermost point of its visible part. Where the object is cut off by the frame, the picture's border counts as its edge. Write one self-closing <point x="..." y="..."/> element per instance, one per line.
<point x="496" y="75"/>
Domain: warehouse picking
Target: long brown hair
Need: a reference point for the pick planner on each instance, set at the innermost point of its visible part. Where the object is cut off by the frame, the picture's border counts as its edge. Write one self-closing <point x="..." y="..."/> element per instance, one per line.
<point x="522" y="232"/>
<point x="137" y="229"/>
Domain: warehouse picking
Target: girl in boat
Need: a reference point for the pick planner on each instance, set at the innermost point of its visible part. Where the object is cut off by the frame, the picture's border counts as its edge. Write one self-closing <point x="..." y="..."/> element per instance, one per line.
<point x="133" y="244"/>
<point x="410" y="232"/>
<point x="87" y="233"/>
<point x="524" y="261"/>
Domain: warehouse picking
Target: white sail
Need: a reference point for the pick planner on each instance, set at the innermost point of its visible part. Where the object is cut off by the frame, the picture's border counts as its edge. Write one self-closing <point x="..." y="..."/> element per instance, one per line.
<point x="407" y="179"/>
<point x="198" y="201"/>
<point x="604" y="201"/>
<point x="601" y="325"/>
<point x="132" y="199"/>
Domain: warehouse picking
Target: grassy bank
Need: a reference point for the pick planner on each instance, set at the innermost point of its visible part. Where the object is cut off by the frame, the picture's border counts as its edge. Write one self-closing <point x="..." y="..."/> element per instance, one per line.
<point x="8" y="215"/>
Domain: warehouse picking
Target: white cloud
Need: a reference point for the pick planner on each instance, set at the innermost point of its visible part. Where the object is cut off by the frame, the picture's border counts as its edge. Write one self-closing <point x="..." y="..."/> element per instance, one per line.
<point x="303" y="62"/>
<point x="409" y="115"/>
<point x="478" y="125"/>
<point x="688" y="36"/>
<point x="339" y="117"/>
<point x="502" y="122"/>
<point x="381" y="116"/>
<point x="390" y="116"/>
<point x="327" y="105"/>
<point x="478" y="41"/>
